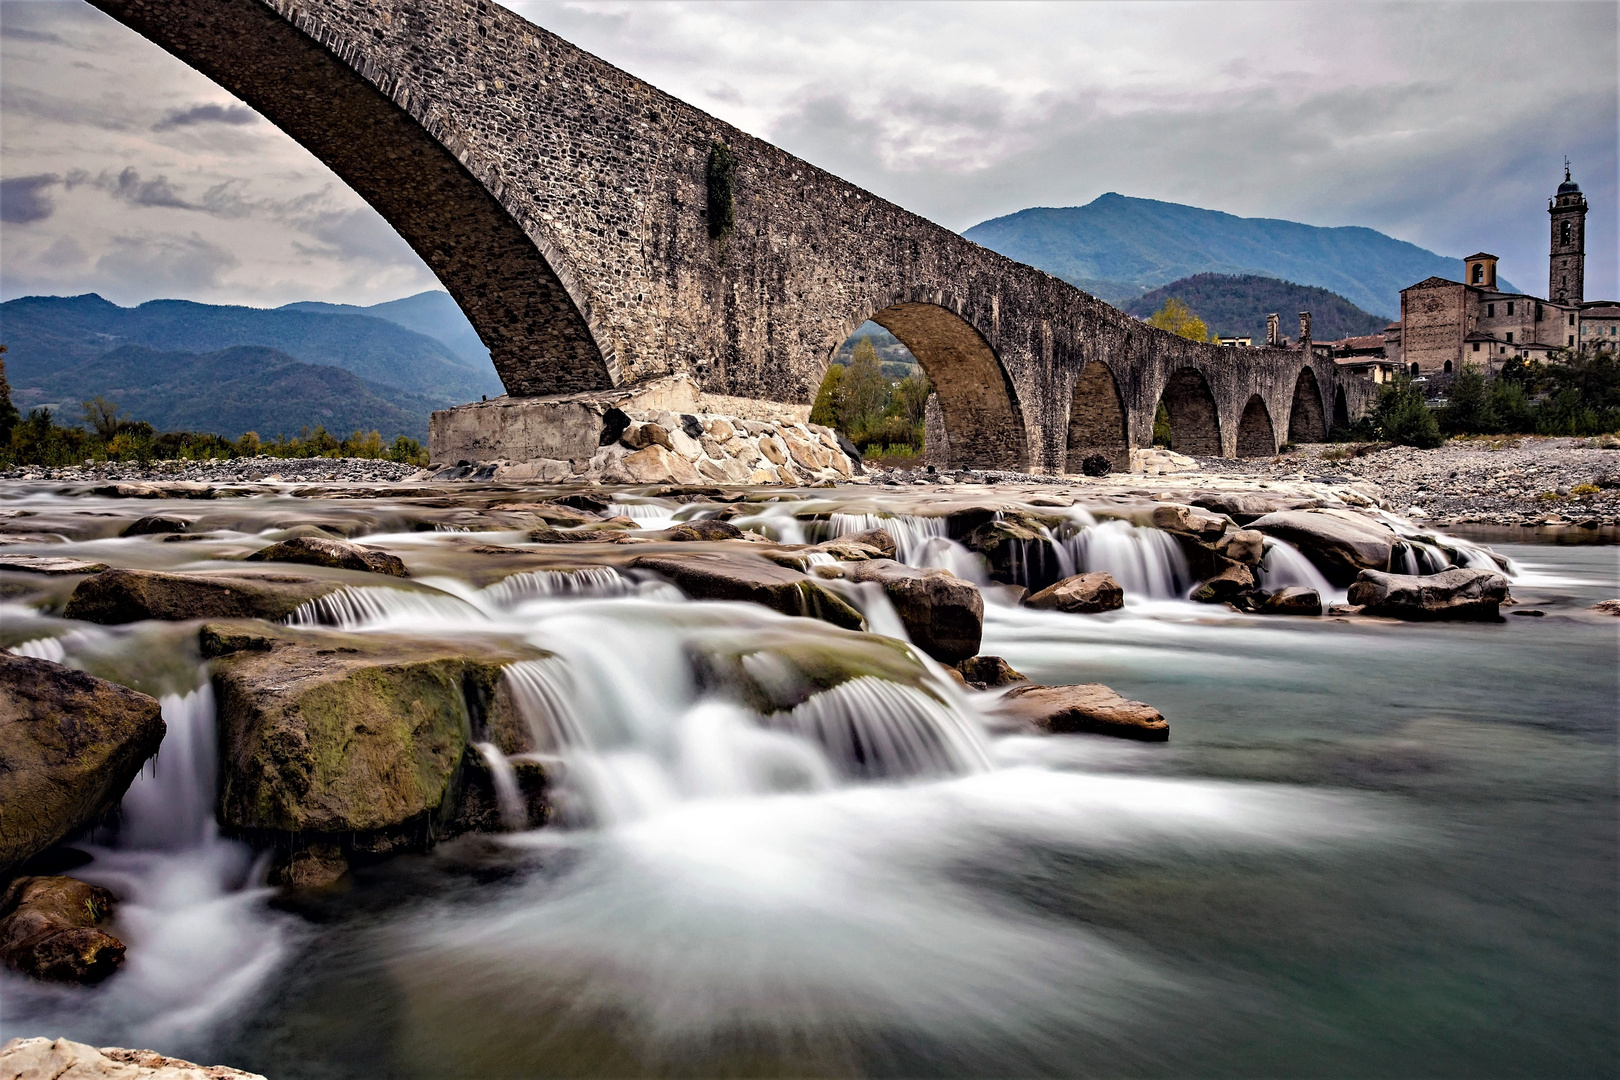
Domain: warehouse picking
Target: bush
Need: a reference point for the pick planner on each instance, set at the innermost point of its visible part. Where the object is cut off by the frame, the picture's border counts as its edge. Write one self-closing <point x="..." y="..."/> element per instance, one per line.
<point x="1404" y="418"/>
<point x="1469" y="409"/>
<point x="1096" y="465"/>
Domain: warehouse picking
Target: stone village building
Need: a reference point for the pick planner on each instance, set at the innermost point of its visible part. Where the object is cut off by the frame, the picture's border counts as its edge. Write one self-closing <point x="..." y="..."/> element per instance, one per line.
<point x="1446" y="324"/>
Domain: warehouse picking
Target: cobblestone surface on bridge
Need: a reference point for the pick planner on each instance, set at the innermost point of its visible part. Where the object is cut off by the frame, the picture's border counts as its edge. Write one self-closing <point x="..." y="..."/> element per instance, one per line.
<point x="564" y="204"/>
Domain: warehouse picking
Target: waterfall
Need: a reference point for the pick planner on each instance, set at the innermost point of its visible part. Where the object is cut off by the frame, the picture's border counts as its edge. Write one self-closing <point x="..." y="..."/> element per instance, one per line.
<point x="544" y="695"/>
<point x="1145" y="561"/>
<point x="591" y="581"/>
<point x="648" y="515"/>
<point x="874" y="729"/>
<point x="514" y="814"/>
<point x="170" y="806"/>
<point x="43" y="648"/>
<point x="1283" y="567"/>
<point x="911" y="532"/>
<point x="373" y="607"/>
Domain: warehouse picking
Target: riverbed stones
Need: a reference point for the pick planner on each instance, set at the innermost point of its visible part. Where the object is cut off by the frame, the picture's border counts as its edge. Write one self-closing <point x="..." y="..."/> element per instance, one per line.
<point x="1085" y="708"/>
<point x="336" y="554"/>
<point x="1292" y="601"/>
<point x="63" y="1059"/>
<point x="1082" y="594"/>
<point x="70" y="744"/>
<point x="1341" y="543"/>
<point x="50" y="928"/>
<point x="738" y="576"/>
<point x="124" y="596"/>
<point x="942" y="614"/>
<point x="1458" y="594"/>
<point x="54" y="565"/>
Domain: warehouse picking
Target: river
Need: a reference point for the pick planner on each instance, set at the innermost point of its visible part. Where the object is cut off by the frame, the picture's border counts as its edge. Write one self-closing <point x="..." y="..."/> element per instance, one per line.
<point x="1368" y="849"/>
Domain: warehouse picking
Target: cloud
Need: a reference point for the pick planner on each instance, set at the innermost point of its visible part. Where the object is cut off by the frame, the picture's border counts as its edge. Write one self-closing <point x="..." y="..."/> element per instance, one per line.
<point x="26" y="199"/>
<point x="182" y="265"/>
<point x="206" y="114"/>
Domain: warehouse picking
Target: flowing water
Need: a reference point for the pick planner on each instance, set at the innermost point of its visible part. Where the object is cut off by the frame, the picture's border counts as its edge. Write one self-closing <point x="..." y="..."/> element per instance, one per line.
<point x="1368" y="849"/>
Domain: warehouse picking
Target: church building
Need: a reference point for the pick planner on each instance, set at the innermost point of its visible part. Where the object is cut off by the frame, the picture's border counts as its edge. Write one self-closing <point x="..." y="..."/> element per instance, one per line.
<point x="1446" y="324"/>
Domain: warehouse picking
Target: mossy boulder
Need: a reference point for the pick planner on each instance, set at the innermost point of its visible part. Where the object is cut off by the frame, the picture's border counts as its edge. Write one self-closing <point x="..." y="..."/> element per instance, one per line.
<point x="727" y="576"/>
<point x="70" y="744"/>
<point x="125" y="596"/>
<point x="50" y="929"/>
<point x="943" y="614"/>
<point x="772" y="670"/>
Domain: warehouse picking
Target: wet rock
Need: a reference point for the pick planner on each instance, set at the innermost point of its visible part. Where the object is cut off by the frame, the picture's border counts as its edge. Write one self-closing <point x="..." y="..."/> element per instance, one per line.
<point x="942" y="614"/>
<point x="1007" y="543"/>
<point x="1086" y="707"/>
<point x="1457" y="593"/>
<point x="641" y="436"/>
<point x="988" y="672"/>
<point x="1233" y="579"/>
<point x="1244" y="508"/>
<point x="727" y="576"/>
<point x="874" y="538"/>
<point x="1344" y="609"/>
<point x="63" y="1059"/>
<point x="311" y="866"/>
<point x="1082" y="594"/>
<point x="154" y="524"/>
<point x="612" y="531"/>
<point x="1606" y="607"/>
<point x="590" y="504"/>
<point x="1246" y="546"/>
<point x="1293" y="601"/>
<point x="49" y="564"/>
<point x="70" y="744"/>
<point x="337" y="554"/>
<point x="124" y="596"/>
<point x="1175" y="518"/>
<point x="50" y="929"/>
<point x="349" y="740"/>
<point x="703" y="529"/>
<point x="658" y="465"/>
<point x="1341" y="543"/>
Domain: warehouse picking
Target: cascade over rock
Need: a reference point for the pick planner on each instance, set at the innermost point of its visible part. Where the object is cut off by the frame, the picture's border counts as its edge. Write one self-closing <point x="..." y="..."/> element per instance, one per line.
<point x="125" y="596"/>
<point x="70" y="744"/>
<point x="1341" y="543"/>
<point x="943" y="614"/>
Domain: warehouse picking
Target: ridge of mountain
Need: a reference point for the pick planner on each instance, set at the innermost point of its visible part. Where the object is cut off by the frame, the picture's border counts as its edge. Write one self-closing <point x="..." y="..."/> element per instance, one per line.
<point x="1118" y="247"/>
<point x="433" y="313"/>
<point x="1237" y="305"/>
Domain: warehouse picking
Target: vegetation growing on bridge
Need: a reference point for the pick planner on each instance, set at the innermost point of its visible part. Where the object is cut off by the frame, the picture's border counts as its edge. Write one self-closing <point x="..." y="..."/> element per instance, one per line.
<point x="883" y="418"/>
<point x="722" y="176"/>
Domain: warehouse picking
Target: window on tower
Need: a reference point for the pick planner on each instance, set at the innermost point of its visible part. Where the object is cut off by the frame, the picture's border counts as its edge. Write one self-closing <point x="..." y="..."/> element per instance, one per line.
<point x="1565" y="232"/>
<point x="1479" y="273"/>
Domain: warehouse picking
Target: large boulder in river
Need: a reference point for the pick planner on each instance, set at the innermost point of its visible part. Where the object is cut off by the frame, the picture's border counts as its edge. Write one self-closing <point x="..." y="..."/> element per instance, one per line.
<point x="50" y="929"/>
<point x="1292" y="601"/>
<point x="1175" y="518"/>
<point x="70" y="744"/>
<point x="1086" y="707"/>
<point x="125" y="596"/>
<point x="1457" y="593"/>
<point x="1224" y="585"/>
<point x="337" y="554"/>
<point x="1245" y="507"/>
<point x="41" y="1058"/>
<point x="943" y="615"/>
<point x="721" y="575"/>
<point x="1341" y="543"/>
<point x="355" y="740"/>
<point x="1082" y="594"/>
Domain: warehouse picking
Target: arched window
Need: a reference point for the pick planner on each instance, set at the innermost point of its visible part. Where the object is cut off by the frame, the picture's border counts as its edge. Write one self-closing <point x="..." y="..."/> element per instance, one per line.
<point x="1565" y="232"/>
<point x="1479" y="273"/>
<point x="1448" y="367"/>
<point x="1414" y="370"/>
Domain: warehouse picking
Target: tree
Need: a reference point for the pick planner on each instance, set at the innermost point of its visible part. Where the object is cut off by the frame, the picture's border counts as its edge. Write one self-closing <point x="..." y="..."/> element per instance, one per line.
<point x="8" y="411"/>
<point x="1179" y="319"/>
<point x="911" y="397"/>
<point x="865" y="390"/>
<point x="1402" y="416"/>
<point x="103" y="417"/>
<point x="829" y="398"/>
<point x="1468" y="407"/>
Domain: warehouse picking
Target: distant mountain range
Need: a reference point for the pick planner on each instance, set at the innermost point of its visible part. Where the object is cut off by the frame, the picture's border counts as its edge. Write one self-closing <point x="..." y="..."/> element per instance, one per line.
<point x="1118" y="248"/>
<point x="1233" y="306"/>
<point x="384" y="367"/>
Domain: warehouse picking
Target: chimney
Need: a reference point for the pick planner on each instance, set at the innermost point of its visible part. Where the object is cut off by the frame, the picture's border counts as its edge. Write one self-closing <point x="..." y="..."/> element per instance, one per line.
<point x="1273" y="331"/>
<point x="1305" y="330"/>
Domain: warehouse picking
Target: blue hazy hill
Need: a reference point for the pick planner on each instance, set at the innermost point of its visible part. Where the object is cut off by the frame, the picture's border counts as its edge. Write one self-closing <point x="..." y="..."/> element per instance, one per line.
<point x="1118" y="248"/>
<point x="432" y="313"/>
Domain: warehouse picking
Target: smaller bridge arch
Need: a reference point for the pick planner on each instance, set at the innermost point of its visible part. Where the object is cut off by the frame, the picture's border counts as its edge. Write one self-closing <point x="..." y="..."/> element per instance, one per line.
<point x="1306" y="422"/>
<point x="1195" y="426"/>
<point x="1097" y="419"/>
<point x="1256" y="437"/>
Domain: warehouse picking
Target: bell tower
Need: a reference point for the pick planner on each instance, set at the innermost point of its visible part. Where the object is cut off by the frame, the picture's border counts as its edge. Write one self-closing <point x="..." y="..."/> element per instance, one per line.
<point x="1566" y="275"/>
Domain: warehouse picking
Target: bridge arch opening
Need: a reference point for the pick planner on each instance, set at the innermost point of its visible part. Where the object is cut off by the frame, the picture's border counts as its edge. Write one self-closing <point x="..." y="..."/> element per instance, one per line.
<point x="876" y="394"/>
<point x="1256" y="437"/>
<point x="509" y="282"/>
<point x="1341" y="410"/>
<point x="1306" y="424"/>
<point x="1097" y="420"/>
<point x="980" y="419"/>
<point x="1195" y="428"/>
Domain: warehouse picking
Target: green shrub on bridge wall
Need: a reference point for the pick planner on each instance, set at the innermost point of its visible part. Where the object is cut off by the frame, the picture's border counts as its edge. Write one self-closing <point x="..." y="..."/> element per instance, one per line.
<point x="722" y="176"/>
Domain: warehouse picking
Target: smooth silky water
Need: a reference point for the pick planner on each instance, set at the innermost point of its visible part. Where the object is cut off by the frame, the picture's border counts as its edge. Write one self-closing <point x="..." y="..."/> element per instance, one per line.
<point x="1368" y="848"/>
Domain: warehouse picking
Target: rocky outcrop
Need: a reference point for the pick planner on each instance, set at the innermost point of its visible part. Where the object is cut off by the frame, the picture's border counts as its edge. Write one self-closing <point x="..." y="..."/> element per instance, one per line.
<point x="333" y="745"/>
<point x="1341" y="543"/>
<point x="1451" y="594"/>
<point x="63" y="1059"/>
<point x="729" y="576"/>
<point x="50" y="929"/>
<point x="942" y="614"/>
<point x="125" y="596"/>
<point x="1292" y="601"/>
<point x="70" y="744"/>
<point x="336" y="554"/>
<point x="1087" y="707"/>
<point x="1082" y="594"/>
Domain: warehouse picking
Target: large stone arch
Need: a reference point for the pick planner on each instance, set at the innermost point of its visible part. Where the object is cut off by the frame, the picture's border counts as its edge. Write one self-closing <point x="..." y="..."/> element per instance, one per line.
<point x="1306" y="423"/>
<point x="1255" y="435"/>
<point x="1341" y="409"/>
<point x="982" y="419"/>
<point x="403" y="157"/>
<point x="1195" y="426"/>
<point x="1097" y="419"/>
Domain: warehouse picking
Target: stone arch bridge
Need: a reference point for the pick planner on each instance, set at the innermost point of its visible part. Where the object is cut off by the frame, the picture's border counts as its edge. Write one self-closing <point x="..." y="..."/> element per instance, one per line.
<point x="567" y="207"/>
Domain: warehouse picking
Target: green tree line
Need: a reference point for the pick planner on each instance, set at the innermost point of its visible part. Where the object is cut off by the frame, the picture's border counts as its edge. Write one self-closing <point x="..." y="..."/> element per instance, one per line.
<point x="882" y="418"/>
<point x="106" y="434"/>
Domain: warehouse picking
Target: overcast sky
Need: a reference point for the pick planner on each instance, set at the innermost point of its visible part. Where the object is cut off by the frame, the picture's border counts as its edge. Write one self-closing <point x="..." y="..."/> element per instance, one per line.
<point x="128" y="174"/>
